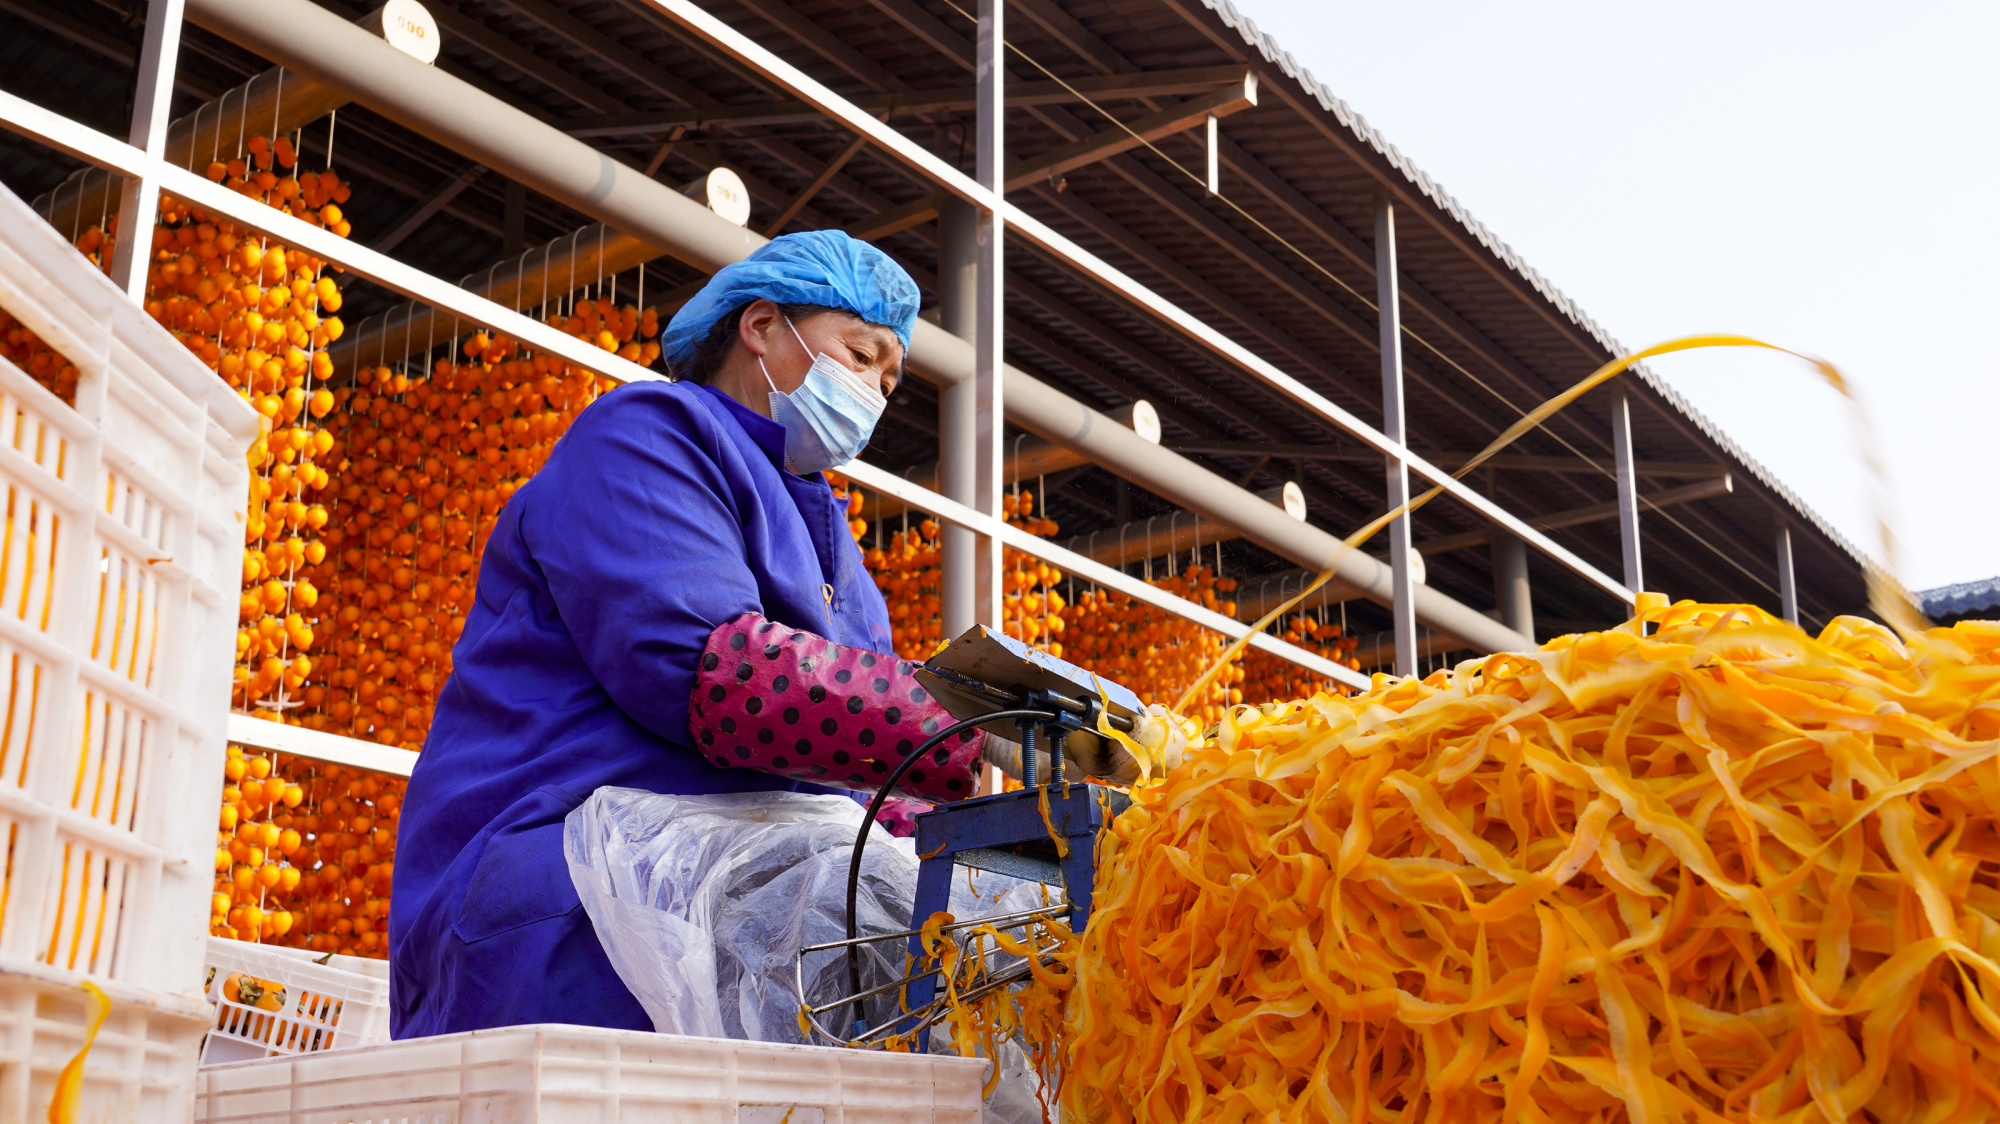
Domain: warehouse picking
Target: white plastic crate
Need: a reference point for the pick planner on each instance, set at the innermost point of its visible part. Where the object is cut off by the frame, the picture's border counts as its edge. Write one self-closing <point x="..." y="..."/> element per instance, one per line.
<point x="140" y="1069"/>
<point x="119" y="575"/>
<point x="344" y="1002"/>
<point x="565" y="1074"/>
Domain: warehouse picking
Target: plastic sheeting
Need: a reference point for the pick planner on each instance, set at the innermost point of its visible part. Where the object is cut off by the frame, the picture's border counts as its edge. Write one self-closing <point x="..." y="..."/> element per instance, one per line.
<point x="702" y="903"/>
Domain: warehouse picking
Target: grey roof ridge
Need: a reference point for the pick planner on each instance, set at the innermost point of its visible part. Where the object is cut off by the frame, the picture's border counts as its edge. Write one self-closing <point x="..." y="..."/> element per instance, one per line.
<point x="1283" y="60"/>
<point x="1961" y="597"/>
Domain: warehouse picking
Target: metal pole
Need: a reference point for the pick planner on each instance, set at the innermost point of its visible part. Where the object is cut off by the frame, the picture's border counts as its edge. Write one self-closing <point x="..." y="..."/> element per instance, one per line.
<point x="1214" y="156"/>
<point x="1511" y="591"/>
<point x="987" y="339"/>
<point x="1788" y="584"/>
<point x="139" y="202"/>
<point x="958" y="412"/>
<point x="1628" y="490"/>
<point x="1402" y="603"/>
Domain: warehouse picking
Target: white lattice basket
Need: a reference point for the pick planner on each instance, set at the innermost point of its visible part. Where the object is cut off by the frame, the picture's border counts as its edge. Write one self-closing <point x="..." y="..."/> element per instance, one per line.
<point x="560" y="1074"/>
<point x="295" y="1005"/>
<point x="119" y="571"/>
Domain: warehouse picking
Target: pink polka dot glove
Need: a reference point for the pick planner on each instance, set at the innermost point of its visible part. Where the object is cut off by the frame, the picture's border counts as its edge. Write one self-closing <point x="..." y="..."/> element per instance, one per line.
<point x="899" y="817"/>
<point x="788" y="702"/>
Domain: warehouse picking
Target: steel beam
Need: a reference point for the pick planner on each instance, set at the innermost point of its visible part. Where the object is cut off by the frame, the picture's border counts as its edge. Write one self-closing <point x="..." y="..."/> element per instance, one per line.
<point x="91" y="39"/>
<point x="1654" y="501"/>
<point x="503" y="48"/>
<point x="1581" y="466"/>
<point x="1190" y="114"/>
<point x="805" y="194"/>
<point x="911" y="103"/>
<point x="439" y="198"/>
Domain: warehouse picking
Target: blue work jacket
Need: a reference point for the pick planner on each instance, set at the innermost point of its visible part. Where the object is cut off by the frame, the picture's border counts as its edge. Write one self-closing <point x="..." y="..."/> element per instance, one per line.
<point x="664" y="512"/>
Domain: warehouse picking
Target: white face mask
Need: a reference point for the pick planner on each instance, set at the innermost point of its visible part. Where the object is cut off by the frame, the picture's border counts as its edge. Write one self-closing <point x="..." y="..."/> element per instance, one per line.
<point x="830" y="417"/>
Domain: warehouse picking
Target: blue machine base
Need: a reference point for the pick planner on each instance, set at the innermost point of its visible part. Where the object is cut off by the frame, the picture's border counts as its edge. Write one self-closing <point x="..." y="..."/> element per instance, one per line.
<point x="1005" y="833"/>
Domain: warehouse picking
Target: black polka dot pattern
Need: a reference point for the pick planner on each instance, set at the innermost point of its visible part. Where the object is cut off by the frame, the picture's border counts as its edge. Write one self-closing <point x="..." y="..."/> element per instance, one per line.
<point x="856" y="705"/>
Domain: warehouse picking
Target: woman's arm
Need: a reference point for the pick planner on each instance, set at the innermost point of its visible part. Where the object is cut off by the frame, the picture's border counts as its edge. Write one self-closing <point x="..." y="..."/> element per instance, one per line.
<point x="634" y="525"/>
<point x="787" y="702"/>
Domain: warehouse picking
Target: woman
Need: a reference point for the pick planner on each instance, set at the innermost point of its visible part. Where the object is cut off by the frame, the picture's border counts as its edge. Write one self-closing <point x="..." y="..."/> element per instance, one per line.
<point x="673" y="603"/>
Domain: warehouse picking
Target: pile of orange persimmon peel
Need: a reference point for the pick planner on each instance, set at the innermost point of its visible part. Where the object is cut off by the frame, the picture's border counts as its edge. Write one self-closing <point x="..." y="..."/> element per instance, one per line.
<point x="1700" y="867"/>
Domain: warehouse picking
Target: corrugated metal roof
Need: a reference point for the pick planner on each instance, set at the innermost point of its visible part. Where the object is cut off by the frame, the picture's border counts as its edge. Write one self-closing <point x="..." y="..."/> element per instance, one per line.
<point x="1961" y="599"/>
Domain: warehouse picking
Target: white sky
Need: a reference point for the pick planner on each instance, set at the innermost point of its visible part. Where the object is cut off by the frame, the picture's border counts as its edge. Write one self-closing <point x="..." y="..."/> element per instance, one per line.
<point x="1819" y="175"/>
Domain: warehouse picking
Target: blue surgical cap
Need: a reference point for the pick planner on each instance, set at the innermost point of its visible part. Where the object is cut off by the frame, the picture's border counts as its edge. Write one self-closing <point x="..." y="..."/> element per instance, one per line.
<point x="821" y="267"/>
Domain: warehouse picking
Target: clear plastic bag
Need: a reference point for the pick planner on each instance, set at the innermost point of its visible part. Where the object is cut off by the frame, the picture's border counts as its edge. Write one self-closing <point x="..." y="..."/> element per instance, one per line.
<point x="702" y="903"/>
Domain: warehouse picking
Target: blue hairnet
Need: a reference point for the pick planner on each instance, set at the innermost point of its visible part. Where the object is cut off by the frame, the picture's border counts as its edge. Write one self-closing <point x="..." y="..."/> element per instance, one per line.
<point x="822" y="267"/>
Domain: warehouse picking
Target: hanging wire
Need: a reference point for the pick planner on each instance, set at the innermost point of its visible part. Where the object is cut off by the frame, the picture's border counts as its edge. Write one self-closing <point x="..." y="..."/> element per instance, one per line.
<point x="277" y="108"/>
<point x="242" y="125"/>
